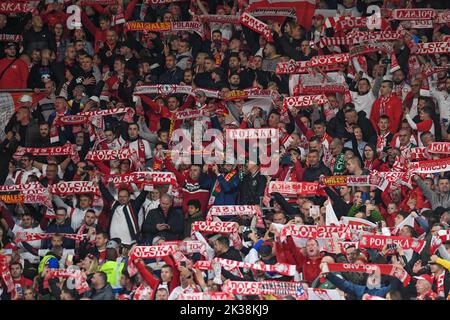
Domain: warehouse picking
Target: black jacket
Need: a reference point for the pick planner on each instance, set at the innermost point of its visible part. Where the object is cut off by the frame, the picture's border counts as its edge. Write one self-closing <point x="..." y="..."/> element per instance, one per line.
<point x="133" y="208"/>
<point x="174" y="219"/>
<point x="312" y="174"/>
<point x="252" y="189"/>
<point x="43" y="39"/>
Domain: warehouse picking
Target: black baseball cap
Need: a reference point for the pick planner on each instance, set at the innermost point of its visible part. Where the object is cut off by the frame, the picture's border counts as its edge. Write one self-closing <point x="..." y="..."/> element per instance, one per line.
<point x="11" y="44"/>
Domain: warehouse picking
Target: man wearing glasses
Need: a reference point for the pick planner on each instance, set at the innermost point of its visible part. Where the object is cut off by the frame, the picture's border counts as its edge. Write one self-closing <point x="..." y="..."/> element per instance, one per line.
<point x="27" y="169"/>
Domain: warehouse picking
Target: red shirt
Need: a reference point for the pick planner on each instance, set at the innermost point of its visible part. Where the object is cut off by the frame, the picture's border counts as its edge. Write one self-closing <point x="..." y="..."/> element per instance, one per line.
<point x="16" y="76"/>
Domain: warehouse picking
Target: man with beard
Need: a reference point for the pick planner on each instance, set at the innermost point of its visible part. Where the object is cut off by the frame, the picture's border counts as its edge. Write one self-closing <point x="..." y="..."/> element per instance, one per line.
<point x="401" y="88"/>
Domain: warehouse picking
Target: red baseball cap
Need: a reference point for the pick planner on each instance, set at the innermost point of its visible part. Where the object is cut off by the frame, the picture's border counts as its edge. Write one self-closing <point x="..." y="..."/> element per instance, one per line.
<point x="426" y="277"/>
<point x="318" y="16"/>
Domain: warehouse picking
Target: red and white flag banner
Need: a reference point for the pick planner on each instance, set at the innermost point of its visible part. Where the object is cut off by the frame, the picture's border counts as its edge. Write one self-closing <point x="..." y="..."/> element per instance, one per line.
<point x="293" y="189"/>
<point x="366" y="48"/>
<point x="193" y="26"/>
<point x="433" y="48"/>
<point x="205" y="296"/>
<point x="413" y="14"/>
<point x="256" y="25"/>
<point x="252" y="134"/>
<point x="439" y="147"/>
<point x="215" y="227"/>
<point x="4" y="37"/>
<point x="302" y="67"/>
<point x="147" y="177"/>
<point x="66" y="150"/>
<point x="106" y="155"/>
<point x="66" y="188"/>
<point x="304" y="101"/>
<point x="281" y="268"/>
<point x="430" y="166"/>
<point x="384" y="269"/>
<point x="235" y="210"/>
<point x="379" y="242"/>
<point x="27" y="188"/>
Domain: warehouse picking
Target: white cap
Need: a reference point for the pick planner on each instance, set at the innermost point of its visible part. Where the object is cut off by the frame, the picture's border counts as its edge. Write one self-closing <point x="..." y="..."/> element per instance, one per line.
<point x="26" y="98"/>
<point x="95" y="98"/>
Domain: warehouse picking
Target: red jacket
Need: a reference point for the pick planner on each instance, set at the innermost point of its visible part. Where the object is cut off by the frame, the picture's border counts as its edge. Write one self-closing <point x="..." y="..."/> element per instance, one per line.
<point x="16" y="76"/>
<point x="191" y="189"/>
<point x="153" y="282"/>
<point x="289" y="253"/>
<point x="393" y="110"/>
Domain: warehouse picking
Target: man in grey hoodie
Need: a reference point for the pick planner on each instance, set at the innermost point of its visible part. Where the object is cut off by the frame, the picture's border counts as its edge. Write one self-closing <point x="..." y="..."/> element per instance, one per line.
<point x="439" y="198"/>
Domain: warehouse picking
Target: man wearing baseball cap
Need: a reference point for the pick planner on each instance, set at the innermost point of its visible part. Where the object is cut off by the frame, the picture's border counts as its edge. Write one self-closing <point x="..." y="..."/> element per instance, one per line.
<point x="13" y="71"/>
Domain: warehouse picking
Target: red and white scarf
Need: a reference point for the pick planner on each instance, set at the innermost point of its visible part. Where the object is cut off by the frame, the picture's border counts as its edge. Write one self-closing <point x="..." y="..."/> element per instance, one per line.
<point x="413" y="14"/>
<point x="439" y="147"/>
<point x="379" y="241"/>
<point x="5" y="274"/>
<point x="66" y="188"/>
<point x="10" y="37"/>
<point x="385" y="269"/>
<point x="430" y="166"/>
<point x="251" y="288"/>
<point x="28" y="236"/>
<point x="216" y="18"/>
<point x="256" y="25"/>
<point x="281" y="268"/>
<point x="168" y="89"/>
<point x="294" y="188"/>
<point x="236" y="210"/>
<point x="304" y="101"/>
<point x="205" y="296"/>
<point x="17" y="6"/>
<point x="66" y="150"/>
<point x="140" y="177"/>
<point x="433" y="48"/>
<point x="356" y="181"/>
<point x="81" y="284"/>
<point x="193" y="26"/>
<point x="106" y="155"/>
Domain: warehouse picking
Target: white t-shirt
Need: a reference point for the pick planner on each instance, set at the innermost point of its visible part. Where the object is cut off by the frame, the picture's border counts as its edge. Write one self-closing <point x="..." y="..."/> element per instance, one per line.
<point x="35" y="244"/>
<point x="119" y="226"/>
<point x="363" y="102"/>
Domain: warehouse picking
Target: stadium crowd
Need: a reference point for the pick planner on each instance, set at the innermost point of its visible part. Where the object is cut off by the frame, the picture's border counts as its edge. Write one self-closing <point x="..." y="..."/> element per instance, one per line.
<point x="95" y="202"/>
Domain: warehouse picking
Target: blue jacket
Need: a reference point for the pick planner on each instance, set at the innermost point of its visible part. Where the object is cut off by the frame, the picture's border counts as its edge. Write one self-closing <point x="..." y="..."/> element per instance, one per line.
<point x="229" y="191"/>
<point x="64" y="228"/>
<point x="357" y="290"/>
